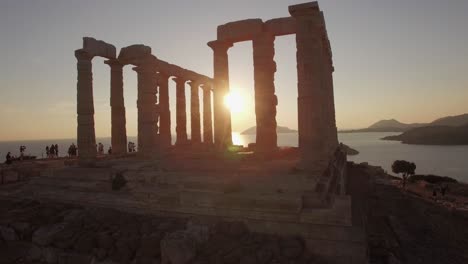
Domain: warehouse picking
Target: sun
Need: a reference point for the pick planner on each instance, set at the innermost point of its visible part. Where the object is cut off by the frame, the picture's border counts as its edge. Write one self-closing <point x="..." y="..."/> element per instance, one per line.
<point x="234" y="102"/>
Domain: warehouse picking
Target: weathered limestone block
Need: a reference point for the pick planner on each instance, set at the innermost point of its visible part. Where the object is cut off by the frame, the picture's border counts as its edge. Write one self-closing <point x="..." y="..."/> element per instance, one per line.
<point x="195" y="112"/>
<point x="147" y="116"/>
<point x="118" y="121"/>
<point x="313" y="100"/>
<point x="98" y="48"/>
<point x="181" y="114"/>
<point x="165" y="113"/>
<point x="85" y="109"/>
<point x="222" y="115"/>
<point x="265" y="98"/>
<point x="240" y="30"/>
<point x="281" y="26"/>
<point x="8" y="233"/>
<point x="207" y="120"/>
<point x="178" y="247"/>
<point x="134" y="54"/>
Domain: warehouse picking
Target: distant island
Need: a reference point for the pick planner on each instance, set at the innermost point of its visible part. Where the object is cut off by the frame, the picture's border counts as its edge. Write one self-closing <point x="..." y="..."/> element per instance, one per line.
<point x="279" y="129"/>
<point x="434" y="135"/>
<point x="393" y="125"/>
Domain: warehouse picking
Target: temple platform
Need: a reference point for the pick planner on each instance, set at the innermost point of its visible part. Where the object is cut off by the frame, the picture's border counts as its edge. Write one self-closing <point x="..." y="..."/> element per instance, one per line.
<point x="269" y="195"/>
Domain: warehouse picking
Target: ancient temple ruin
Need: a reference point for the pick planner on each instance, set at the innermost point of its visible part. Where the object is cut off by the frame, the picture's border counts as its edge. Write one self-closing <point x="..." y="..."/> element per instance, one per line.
<point x="303" y="194"/>
<point x="316" y="114"/>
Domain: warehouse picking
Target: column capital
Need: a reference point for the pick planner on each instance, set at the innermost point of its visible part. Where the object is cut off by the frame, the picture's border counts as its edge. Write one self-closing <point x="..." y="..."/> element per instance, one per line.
<point x="82" y="55"/>
<point x="114" y="63"/>
<point x="206" y="87"/>
<point x="194" y="83"/>
<point x="163" y="75"/>
<point x="178" y="79"/>
<point x="219" y="45"/>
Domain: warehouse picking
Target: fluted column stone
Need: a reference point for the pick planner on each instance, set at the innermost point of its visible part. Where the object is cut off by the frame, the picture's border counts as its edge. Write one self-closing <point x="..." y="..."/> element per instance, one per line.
<point x="146" y="104"/>
<point x="195" y="137"/>
<point x="181" y="111"/>
<point x="165" y="113"/>
<point x="207" y="120"/>
<point x="118" y="121"/>
<point x="312" y="101"/>
<point x="86" y="137"/>
<point x="222" y="115"/>
<point x="265" y="98"/>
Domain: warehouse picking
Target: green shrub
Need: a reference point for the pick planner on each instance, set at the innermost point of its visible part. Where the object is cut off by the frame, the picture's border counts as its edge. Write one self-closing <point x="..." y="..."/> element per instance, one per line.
<point x="434" y="179"/>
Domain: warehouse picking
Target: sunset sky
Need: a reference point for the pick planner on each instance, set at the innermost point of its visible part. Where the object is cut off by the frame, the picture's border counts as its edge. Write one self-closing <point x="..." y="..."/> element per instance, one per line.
<point x="402" y="59"/>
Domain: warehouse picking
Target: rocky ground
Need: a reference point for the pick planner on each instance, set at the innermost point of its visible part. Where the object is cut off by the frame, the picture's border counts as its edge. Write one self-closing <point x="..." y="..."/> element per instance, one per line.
<point x="402" y="227"/>
<point x="33" y="232"/>
<point x="406" y="228"/>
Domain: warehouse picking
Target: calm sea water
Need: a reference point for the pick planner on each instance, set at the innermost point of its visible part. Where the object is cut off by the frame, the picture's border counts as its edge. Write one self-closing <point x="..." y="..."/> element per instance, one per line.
<point x="449" y="161"/>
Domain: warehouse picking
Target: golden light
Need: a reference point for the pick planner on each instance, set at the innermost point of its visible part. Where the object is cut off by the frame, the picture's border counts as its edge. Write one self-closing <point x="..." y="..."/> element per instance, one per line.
<point x="234" y="102"/>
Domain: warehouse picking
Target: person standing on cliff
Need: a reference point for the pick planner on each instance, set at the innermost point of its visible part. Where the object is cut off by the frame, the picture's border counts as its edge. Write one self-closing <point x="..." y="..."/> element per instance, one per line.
<point x="8" y="158"/>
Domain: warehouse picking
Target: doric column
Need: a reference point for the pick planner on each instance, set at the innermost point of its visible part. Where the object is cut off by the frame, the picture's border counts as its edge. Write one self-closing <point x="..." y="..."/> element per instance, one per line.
<point x="195" y="112"/>
<point x="328" y="75"/>
<point x="118" y="130"/>
<point x="222" y="115"/>
<point x="85" y="109"/>
<point x="181" y="114"/>
<point x="165" y="115"/>
<point x="207" y="122"/>
<point x="312" y="102"/>
<point x="147" y="116"/>
<point x="265" y="98"/>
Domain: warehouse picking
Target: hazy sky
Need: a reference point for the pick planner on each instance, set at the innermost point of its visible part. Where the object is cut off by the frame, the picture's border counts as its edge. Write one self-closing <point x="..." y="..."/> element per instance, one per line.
<point x="403" y="59"/>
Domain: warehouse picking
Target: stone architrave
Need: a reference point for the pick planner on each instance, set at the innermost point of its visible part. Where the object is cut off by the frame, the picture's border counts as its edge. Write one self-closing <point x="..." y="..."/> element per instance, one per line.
<point x="118" y="121"/>
<point x="181" y="111"/>
<point x="222" y="115"/>
<point x="195" y="112"/>
<point x="207" y="122"/>
<point x="86" y="137"/>
<point x="265" y="98"/>
<point x="147" y="116"/>
<point x="165" y="113"/>
<point x="312" y="102"/>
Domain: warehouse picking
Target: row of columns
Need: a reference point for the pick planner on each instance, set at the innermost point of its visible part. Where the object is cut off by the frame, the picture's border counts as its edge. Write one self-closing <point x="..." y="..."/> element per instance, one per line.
<point x="153" y="108"/>
<point x="265" y="98"/>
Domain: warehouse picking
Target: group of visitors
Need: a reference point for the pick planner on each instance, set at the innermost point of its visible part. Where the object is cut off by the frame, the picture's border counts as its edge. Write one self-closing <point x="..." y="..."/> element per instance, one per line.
<point x="72" y="150"/>
<point x="100" y="148"/>
<point x="9" y="158"/>
<point x="131" y="147"/>
<point x="52" y="151"/>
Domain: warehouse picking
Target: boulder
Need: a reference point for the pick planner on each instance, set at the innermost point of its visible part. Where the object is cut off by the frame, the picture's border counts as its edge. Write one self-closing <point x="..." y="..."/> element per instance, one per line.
<point x="291" y="248"/>
<point x="45" y="235"/>
<point x="8" y="233"/>
<point x="178" y="247"/>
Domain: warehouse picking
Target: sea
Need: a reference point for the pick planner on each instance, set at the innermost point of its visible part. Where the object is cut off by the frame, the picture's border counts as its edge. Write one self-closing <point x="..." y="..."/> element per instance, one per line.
<point x="451" y="161"/>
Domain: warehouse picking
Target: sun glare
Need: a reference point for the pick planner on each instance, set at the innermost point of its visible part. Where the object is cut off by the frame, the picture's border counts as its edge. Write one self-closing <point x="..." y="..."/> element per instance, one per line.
<point x="234" y="102"/>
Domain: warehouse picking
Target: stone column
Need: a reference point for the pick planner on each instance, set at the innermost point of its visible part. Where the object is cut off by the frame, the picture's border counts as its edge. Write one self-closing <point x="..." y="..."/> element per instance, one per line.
<point x="265" y="98"/>
<point x="222" y="115"/>
<point x="207" y="123"/>
<point x="195" y="112"/>
<point x="181" y="114"/>
<point x="312" y="102"/>
<point x="85" y="109"/>
<point x="147" y="116"/>
<point x="118" y="130"/>
<point x="165" y="116"/>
